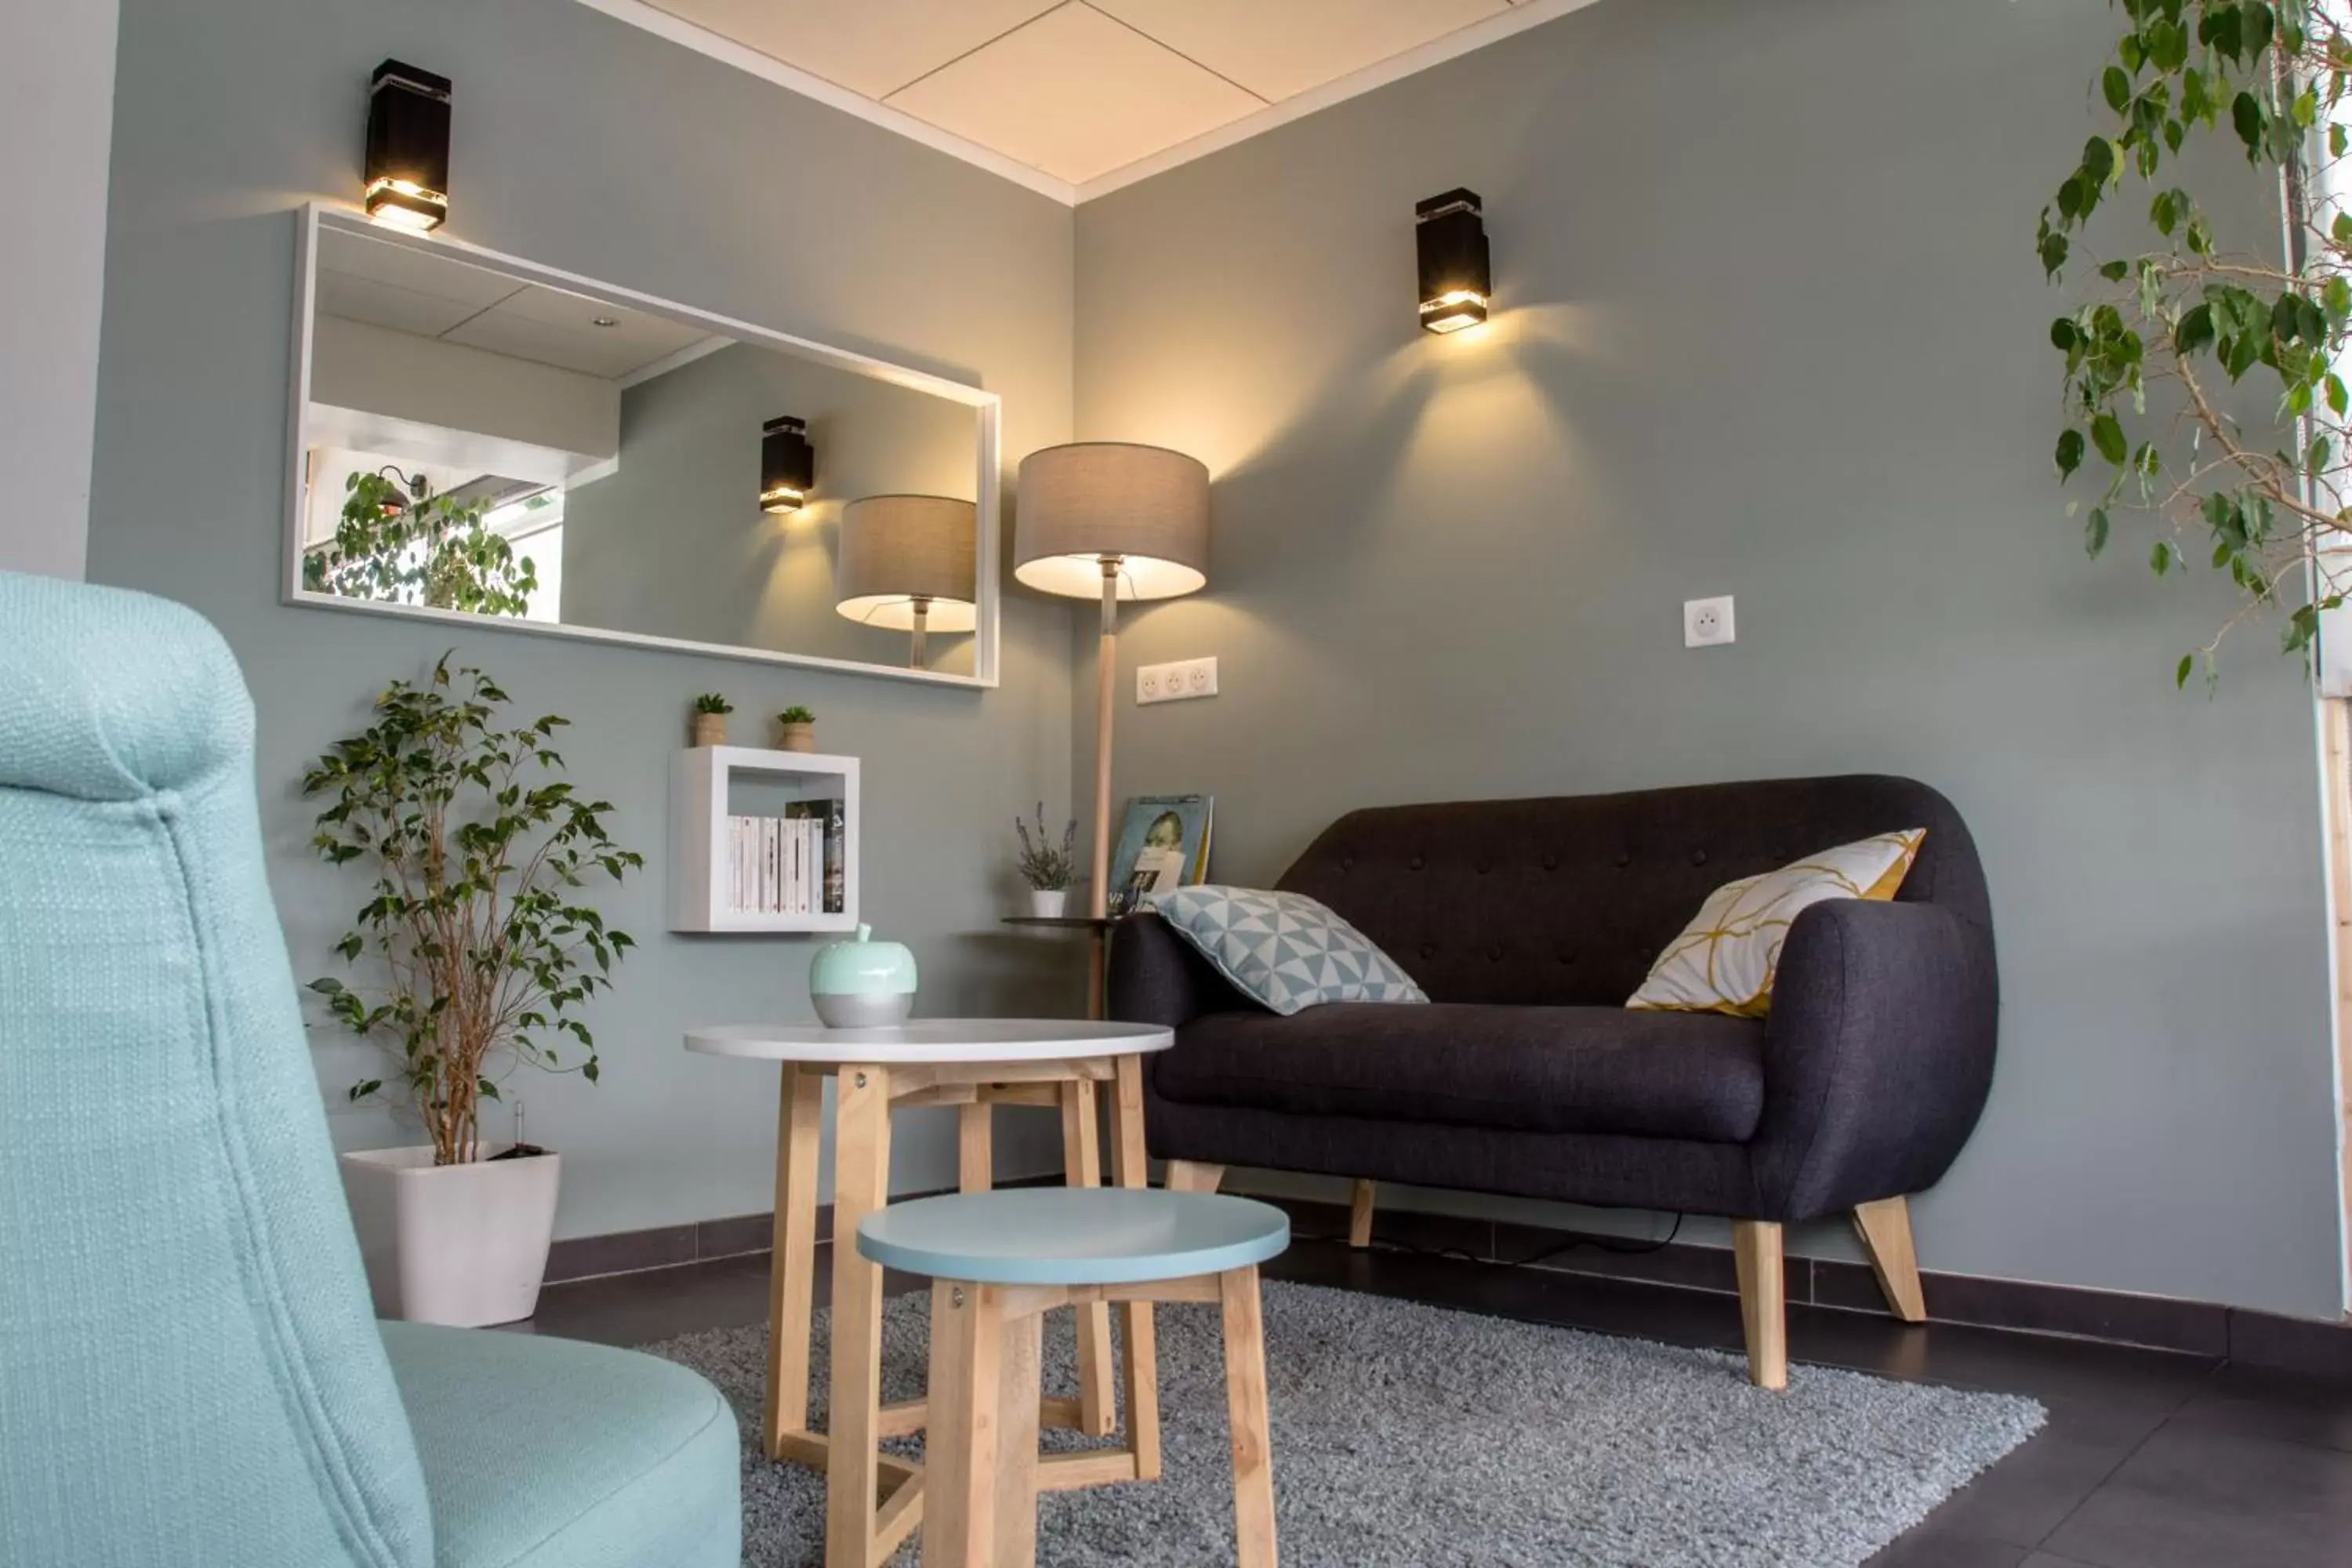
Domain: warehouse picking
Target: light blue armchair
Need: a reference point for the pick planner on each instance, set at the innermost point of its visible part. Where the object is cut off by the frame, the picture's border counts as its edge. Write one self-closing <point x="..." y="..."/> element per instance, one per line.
<point x="189" y="1370"/>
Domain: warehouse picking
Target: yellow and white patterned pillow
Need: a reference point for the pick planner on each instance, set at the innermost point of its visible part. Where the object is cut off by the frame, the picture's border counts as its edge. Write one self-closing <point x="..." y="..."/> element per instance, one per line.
<point x="1725" y="960"/>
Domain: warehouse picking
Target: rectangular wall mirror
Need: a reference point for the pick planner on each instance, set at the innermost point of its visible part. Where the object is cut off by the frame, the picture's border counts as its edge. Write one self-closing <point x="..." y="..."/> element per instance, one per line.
<point x="480" y="438"/>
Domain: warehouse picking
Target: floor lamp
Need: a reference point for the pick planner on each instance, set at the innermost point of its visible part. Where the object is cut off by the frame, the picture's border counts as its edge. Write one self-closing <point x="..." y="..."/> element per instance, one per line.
<point x="907" y="565"/>
<point x="1113" y="521"/>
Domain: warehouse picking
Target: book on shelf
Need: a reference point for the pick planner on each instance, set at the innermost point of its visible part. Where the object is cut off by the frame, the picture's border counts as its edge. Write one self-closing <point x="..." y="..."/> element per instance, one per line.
<point x="795" y="864"/>
<point x="1163" y="844"/>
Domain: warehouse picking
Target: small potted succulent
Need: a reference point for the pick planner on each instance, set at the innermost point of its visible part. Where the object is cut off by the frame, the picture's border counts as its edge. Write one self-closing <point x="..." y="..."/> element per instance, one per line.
<point x="796" y="730"/>
<point x="711" y="710"/>
<point x="1046" y="866"/>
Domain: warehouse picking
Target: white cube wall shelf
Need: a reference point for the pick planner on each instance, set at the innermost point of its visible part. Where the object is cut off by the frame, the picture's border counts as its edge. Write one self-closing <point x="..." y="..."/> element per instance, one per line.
<point x="701" y="782"/>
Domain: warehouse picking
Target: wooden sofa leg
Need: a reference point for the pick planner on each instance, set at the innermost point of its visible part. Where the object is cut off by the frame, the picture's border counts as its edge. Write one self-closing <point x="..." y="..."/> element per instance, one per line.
<point x="1191" y="1176"/>
<point x="1885" y="1230"/>
<point x="1763" y="1300"/>
<point x="1359" y="1215"/>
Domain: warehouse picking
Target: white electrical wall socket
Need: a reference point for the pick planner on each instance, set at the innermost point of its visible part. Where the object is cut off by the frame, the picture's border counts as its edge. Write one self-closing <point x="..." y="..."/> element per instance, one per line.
<point x="1174" y="682"/>
<point x="1706" y="622"/>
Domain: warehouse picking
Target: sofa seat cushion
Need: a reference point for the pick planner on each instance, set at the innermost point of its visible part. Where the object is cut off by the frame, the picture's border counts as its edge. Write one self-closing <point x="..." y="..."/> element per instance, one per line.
<point x="1696" y="1076"/>
<point x="546" y="1453"/>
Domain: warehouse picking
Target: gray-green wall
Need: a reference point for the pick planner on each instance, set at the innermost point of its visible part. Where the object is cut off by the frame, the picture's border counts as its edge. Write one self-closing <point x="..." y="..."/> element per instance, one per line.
<point x="589" y="145"/>
<point x="1768" y="325"/>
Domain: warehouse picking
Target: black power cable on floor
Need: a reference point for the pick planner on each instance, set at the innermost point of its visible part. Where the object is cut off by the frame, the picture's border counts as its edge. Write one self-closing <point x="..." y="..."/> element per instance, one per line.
<point x="1596" y="1243"/>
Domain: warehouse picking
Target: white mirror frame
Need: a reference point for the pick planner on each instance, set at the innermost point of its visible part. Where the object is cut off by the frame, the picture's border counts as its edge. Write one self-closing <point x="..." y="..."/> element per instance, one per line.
<point x="313" y="215"/>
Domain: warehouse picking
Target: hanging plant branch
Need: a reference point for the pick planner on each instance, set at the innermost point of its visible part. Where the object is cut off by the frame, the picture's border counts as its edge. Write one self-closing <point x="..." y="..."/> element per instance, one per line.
<point x="2266" y="507"/>
<point x="419" y="550"/>
<point x="478" y="851"/>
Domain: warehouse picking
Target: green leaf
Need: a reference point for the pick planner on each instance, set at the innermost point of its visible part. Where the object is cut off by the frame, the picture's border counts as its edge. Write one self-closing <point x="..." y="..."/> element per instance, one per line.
<point x="2118" y="87"/>
<point x="2095" y="532"/>
<point x="2194" y="332"/>
<point x="2051" y="248"/>
<point x="2115" y="272"/>
<point x="588" y="1070"/>
<point x="2109" y="437"/>
<point x="2246" y="115"/>
<point x="2070" y="453"/>
<point x="2098" y="160"/>
<point x="2181" y="675"/>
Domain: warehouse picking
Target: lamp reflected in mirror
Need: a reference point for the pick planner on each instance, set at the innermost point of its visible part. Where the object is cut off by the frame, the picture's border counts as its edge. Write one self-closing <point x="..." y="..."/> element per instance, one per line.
<point x="787" y="466"/>
<point x="908" y="563"/>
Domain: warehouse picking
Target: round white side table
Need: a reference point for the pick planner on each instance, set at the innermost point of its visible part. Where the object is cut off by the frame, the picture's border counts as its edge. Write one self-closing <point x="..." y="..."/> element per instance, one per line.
<point x="973" y="1064"/>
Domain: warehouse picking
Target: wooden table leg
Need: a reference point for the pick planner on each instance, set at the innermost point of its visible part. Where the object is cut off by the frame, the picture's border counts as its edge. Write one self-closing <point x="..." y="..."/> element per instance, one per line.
<point x="861" y="1183"/>
<point x="792" y="1267"/>
<point x="1016" y="1442"/>
<point x="1246" y="1406"/>
<point x="960" y="1447"/>
<point x="1135" y="1327"/>
<point x="975" y="1147"/>
<point x="1082" y="1167"/>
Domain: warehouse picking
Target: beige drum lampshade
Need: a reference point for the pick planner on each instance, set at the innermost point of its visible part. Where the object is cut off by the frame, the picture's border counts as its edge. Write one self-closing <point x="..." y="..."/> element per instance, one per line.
<point x="896" y="549"/>
<point x="1146" y="505"/>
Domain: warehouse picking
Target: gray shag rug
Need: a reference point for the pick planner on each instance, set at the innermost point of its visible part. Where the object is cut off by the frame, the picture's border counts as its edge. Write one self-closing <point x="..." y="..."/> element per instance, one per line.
<point x="1412" y="1435"/>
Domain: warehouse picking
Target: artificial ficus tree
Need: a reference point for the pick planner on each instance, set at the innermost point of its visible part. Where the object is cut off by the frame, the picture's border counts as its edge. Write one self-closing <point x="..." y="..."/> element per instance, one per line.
<point x="413" y="547"/>
<point x="478" y="852"/>
<point x="2210" y="331"/>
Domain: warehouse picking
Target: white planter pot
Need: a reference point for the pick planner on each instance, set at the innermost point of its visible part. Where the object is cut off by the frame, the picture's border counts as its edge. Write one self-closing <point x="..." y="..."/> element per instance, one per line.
<point x="461" y="1245"/>
<point x="1047" y="903"/>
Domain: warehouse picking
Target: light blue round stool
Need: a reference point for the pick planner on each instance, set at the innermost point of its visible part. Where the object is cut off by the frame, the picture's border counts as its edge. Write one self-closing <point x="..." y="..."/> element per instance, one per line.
<point x="997" y="1261"/>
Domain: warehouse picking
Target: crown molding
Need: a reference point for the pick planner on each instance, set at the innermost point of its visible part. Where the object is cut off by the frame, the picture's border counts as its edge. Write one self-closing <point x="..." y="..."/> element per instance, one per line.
<point x="1522" y="14"/>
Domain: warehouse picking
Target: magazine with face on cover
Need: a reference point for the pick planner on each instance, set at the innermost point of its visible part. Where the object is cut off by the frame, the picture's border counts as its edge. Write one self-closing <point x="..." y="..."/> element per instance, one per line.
<point x="1163" y="844"/>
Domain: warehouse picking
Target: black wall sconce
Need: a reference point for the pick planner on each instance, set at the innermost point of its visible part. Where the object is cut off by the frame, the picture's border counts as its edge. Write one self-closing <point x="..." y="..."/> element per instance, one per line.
<point x="1454" y="277"/>
<point x="787" y="465"/>
<point x="408" y="148"/>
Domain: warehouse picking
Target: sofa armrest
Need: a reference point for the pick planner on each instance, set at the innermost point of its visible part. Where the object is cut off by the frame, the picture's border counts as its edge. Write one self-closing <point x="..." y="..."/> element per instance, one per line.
<point x="1158" y="977"/>
<point x="1878" y="1056"/>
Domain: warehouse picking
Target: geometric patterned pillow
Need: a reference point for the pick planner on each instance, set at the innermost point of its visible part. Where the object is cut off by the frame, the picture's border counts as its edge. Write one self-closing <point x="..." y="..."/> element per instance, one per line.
<point x="1285" y="950"/>
<point x="1725" y="960"/>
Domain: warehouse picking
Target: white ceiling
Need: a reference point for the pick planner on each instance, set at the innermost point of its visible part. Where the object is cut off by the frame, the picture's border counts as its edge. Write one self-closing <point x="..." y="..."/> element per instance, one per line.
<point x="430" y="295"/>
<point x="1076" y="97"/>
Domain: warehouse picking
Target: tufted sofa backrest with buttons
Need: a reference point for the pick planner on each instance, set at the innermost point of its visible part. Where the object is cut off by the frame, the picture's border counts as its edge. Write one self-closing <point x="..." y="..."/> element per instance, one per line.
<point x="1566" y="901"/>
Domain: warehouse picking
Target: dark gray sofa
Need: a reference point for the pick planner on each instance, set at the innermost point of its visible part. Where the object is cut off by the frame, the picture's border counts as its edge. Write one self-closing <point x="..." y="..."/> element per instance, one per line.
<point x="1529" y="922"/>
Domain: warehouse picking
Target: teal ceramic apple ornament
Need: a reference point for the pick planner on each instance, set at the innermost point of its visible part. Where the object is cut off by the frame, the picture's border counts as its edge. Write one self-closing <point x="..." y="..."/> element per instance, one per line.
<point x="863" y="984"/>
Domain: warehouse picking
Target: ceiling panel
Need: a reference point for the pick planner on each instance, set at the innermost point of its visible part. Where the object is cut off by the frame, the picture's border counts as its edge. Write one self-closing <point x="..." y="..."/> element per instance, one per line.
<point x="873" y="47"/>
<point x="551" y="327"/>
<point x="381" y="304"/>
<point x="1278" y="48"/>
<point x="1076" y="93"/>
<point x="418" y="271"/>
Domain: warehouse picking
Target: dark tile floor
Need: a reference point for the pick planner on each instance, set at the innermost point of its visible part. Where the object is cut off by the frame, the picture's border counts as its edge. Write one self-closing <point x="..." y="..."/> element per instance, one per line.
<point x="2150" y="1460"/>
